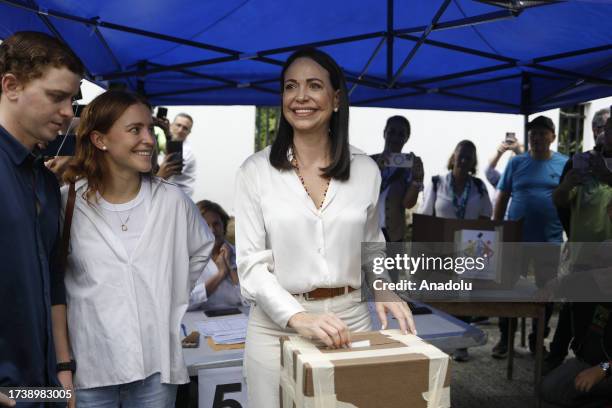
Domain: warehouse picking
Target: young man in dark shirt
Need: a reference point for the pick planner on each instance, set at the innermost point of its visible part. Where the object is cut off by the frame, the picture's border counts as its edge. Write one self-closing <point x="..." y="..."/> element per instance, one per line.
<point x="39" y="77"/>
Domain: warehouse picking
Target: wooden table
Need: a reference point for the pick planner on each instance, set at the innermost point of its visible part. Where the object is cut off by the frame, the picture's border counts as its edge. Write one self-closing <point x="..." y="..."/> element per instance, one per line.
<point x="506" y="309"/>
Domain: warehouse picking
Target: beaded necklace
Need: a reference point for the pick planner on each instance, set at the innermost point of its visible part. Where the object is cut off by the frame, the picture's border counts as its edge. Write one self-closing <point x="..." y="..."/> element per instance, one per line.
<point x="297" y="170"/>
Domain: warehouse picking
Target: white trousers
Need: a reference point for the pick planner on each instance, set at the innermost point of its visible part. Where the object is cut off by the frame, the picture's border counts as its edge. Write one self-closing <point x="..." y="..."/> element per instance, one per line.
<point x="262" y="349"/>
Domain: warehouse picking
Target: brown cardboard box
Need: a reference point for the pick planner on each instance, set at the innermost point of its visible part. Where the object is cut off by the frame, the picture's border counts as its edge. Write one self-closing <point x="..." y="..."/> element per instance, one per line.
<point x="383" y="369"/>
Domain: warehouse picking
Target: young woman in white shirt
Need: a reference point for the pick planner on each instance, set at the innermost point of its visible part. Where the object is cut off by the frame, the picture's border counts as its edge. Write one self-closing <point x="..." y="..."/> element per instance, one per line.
<point x="137" y="245"/>
<point x="303" y="208"/>
<point x="217" y="287"/>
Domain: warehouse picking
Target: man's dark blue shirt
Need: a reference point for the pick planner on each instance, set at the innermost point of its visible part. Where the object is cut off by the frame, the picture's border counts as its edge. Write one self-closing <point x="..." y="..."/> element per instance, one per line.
<point x="29" y="283"/>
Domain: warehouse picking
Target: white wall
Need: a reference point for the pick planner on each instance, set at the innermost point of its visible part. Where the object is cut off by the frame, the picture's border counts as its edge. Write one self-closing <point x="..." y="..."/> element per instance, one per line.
<point x="223" y="137"/>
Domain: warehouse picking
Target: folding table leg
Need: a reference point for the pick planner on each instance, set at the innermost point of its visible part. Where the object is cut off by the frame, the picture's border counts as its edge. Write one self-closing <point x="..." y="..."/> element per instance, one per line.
<point x="539" y="351"/>
<point x="523" y="334"/>
<point x="510" y="349"/>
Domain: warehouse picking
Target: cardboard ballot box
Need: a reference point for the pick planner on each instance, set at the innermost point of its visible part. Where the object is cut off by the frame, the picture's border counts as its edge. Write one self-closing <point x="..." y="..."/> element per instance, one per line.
<point x="382" y="369"/>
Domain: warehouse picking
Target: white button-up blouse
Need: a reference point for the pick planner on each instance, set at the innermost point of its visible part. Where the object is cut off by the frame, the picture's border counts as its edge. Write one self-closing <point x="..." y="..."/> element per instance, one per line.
<point x="124" y="312"/>
<point x="286" y="246"/>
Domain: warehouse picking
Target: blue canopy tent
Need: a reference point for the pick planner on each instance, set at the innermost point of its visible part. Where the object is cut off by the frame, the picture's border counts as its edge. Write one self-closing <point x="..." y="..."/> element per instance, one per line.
<point x="506" y="56"/>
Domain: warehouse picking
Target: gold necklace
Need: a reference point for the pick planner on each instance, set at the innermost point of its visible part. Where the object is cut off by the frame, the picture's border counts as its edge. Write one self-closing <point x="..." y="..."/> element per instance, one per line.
<point x="123" y="223"/>
<point x="294" y="163"/>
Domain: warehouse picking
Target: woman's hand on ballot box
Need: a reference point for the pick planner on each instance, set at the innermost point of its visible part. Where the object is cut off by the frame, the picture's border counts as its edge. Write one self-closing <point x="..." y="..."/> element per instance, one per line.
<point x="388" y="301"/>
<point x="326" y="327"/>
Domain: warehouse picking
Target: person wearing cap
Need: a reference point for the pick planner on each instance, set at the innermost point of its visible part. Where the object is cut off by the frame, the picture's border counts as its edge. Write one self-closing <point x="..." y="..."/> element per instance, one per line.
<point x="595" y="214"/>
<point x="530" y="179"/>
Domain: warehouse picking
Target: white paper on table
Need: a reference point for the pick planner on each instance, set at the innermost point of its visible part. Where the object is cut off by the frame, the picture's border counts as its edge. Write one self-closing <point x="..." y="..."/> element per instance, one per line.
<point x="228" y="330"/>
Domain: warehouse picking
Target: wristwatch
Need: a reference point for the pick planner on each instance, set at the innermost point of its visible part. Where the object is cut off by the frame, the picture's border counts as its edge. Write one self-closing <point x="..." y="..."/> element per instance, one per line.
<point x="605" y="366"/>
<point x="67" y="366"/>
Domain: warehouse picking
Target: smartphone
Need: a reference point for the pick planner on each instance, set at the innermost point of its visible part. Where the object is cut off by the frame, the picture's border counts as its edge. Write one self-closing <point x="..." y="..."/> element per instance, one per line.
<point x="56" y="148"/>
<point x="162" y="112"/>
<point x="176" y="147"/>
<point x="222" y="312"/>
<point x="401" y="160"/>
<point x="510" y="138"/>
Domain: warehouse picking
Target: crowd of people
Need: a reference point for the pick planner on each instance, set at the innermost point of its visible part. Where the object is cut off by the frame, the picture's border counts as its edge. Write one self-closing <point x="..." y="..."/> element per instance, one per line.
<point x="98" y="274"/>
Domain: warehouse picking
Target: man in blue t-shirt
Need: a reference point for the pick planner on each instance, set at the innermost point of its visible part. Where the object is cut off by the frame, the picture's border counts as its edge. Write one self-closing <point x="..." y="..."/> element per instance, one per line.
<point x="530" y="179"/>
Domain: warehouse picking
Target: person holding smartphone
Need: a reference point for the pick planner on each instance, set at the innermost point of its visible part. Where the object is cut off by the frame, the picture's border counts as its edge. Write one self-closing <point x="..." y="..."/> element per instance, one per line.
<point x="401" y="182"/>
<point x="511" y="144"/>
<point x="179" y="164"/>
<point x="137" y="246"/>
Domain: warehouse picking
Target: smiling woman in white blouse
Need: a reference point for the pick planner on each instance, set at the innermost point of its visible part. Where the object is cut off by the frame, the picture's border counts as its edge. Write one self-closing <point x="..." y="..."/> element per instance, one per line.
<point x="303" y="208"/>
<point x="137" y="245"/>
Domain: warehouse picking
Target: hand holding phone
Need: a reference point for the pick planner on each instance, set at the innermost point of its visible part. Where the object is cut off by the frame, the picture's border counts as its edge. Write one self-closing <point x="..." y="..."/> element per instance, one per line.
<point x="510" y="138"/>
<point x="401" y="160"/>
<point x="175" y="148"/>
<point x="162" y="112"/>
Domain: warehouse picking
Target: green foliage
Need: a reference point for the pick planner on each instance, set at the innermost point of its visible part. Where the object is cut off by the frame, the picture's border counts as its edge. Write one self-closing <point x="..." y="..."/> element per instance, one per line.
<point x="266" y="125"/>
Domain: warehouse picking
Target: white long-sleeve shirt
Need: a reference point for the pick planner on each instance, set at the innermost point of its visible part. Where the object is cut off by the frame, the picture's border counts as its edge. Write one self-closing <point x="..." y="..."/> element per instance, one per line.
<point x="125" y="311"/>
<point x="286" y="246"/>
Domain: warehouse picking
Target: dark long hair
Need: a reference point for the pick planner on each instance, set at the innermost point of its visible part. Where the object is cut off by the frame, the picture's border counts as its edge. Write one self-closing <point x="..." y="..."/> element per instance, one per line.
<point x="340" y="154"/>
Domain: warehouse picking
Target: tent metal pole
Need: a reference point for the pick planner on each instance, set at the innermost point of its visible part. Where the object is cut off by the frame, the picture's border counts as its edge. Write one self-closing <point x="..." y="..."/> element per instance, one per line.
<point x="479" y="82"/>
<point x="572" y="86"/>
<point x="118" y="27"/>
<point x="102" y="40"/>
<point x="424" y="91"/>
<point x="484" y="18"/>
<point x="252" y="85"/>
<point x="389" y="38"/>
<point x="367" y="65"/>
<point x="416" y="47"/>
<point x="525" y="105"/>
<point x="456" y="75"/>
<point x="463" y="22"/>
<point x="188" y="91"/>
<point x="198" y="75"/>
<point x="138" y="72"/>
<point x="323" y="43"/>
<point x="525" y="132"/>
<point x="458" y="48"/>
<point x="477" y="99"/>
<point x="386" y="98"/>
<point x="575" y="53"/>
<point x="57" y="35"/>
<point x="574" y="75"/>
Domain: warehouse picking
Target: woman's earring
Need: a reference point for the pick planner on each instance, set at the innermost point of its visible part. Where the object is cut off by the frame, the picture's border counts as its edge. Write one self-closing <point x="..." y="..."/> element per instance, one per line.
<point x="103" y="147"/>
<point x="336" y="109"/>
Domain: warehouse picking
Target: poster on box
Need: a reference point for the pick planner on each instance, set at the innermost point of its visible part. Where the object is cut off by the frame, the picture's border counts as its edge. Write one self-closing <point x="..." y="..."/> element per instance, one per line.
<point x="483" y="246"/>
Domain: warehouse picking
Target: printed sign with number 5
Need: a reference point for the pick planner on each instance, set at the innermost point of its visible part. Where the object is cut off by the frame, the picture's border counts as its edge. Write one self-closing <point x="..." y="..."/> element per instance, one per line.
<point x="222" y="388"/>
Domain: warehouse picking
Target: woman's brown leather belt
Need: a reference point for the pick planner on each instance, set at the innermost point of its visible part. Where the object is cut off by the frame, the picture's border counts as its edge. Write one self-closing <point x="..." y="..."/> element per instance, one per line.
<point x="326" y="293"/>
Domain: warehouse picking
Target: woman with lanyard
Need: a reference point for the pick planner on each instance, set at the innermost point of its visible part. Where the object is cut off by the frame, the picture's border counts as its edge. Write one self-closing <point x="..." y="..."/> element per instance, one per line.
<point x="303" y="208"/>
<point x="137" y="246"/>
<point x="458" y="195"/>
